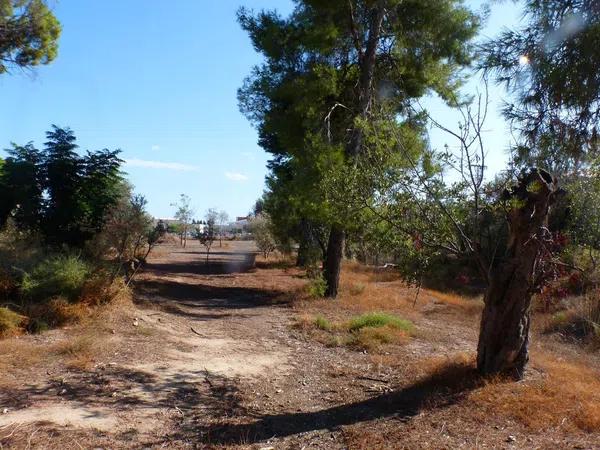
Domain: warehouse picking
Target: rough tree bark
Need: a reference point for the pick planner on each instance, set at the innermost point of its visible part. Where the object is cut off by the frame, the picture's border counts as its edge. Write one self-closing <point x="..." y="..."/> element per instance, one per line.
<point x="333" y="260"/>
<point x="504" y="334"/>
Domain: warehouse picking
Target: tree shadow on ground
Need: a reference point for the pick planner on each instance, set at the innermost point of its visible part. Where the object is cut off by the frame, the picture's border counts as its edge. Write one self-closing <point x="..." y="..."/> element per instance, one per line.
<point x="201" y="267"/>
<point x="444" y="388"/>
<point x="110" y="388"/>
<point x="183" y="298"/>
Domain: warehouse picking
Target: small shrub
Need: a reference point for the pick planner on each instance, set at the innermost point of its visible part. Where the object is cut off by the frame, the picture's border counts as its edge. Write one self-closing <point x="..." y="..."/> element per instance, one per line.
<point x="61" y="312"/>
<point x="322" y="323"/>
<point x="11" y="323"/>
<point x="581" y="321"/>
<point x="62" y="275"/>
<point x="380" y="319"/>
<point x="316" y="287"/>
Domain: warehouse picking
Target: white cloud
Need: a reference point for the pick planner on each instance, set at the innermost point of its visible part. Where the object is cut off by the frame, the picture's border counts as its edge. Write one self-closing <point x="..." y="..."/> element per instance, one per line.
<point x="143" y="163"/>
<point x="155" y="147"/>
<point x="234" y="176"/>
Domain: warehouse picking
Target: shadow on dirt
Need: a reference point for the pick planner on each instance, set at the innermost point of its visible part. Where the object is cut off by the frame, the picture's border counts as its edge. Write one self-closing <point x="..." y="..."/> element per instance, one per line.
<point x="443" y="389"/>
<point x="199" y="266"/>
<point x="195" y="293"/>
<point x="110" y="387"/>
<point x="183" y="299"/>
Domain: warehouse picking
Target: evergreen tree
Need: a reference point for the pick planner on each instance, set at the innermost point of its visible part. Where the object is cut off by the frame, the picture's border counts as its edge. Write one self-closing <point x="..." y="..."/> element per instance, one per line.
<point x="21" y="180"/>
<point x="64" y="170"/>
<point x="552" y="65"/>
<point x="29" y="34"/>
<point x="330" y="67"/>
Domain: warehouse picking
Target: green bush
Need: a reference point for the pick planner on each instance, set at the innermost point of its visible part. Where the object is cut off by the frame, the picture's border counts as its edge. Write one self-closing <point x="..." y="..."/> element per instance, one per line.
<point x="10" y="321"/>
<point x="62" y="275"/>
<point x="379" y="319"/>
<point x="316" y="287"/>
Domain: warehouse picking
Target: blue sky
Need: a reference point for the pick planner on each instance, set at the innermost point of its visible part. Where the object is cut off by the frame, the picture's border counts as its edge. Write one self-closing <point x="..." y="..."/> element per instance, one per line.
<point x="158" y="80"/>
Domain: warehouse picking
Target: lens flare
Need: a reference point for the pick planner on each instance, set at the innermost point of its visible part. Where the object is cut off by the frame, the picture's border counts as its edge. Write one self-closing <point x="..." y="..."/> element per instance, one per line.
<point x="523" y="60"/>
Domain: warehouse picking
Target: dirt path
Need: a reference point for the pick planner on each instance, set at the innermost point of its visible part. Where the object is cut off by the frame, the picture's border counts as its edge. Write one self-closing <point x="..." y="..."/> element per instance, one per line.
<point x="202" y="332"/>
<point x="208" y="357"/>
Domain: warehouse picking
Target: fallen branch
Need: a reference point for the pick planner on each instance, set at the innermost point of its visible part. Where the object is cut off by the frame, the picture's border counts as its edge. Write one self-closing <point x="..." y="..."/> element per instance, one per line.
<point x="195" y="332"/>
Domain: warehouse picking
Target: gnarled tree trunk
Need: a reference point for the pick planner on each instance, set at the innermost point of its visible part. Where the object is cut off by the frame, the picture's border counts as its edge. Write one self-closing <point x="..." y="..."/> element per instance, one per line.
<point x="505" y="323"/>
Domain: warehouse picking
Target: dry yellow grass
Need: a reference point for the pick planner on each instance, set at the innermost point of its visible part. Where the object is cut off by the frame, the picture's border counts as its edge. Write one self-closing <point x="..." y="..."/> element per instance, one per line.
<point x="568" y="395"/>
<point x="375" y="339"/>
<point x="472" y="306"/>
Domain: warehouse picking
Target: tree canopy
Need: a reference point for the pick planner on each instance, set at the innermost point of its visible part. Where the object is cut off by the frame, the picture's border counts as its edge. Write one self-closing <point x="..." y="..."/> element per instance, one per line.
<point x="328" y="67"/>
<point x="552" y="66"/>
<point x="57" y="192"/>
<point x="29" y="34"/>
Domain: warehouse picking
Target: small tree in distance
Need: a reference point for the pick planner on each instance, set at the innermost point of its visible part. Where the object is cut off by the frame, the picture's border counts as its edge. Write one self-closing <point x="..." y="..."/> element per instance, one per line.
<point x="184" y="215"/>
<point x="208" y="235"/>
<point x="260" y="227"/>
<point x="222" y="219"/>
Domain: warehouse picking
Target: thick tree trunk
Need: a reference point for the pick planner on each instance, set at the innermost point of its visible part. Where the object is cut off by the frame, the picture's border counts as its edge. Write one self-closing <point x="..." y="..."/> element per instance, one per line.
<point x="333" y="260"/>
<point x="504" y="334"/>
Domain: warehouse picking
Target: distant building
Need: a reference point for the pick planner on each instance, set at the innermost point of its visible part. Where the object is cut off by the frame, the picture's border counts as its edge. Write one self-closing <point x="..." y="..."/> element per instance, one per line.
<point x="240" y="226"/>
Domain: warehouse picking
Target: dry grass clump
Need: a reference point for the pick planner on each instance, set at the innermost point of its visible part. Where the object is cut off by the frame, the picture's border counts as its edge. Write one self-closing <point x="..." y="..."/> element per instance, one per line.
<point x="11" y="323"/>
<point x="80" y="351"/>
<point x="375" y="338"/>
<point x="55" y="313"/>
<point x="366" y="288"/>
<point x="471" y="306"/>
<point x="359" y="293"/>
<point x="20" y="354"/>
<point x="580" y="321"/>
<point x="568" y="395"/>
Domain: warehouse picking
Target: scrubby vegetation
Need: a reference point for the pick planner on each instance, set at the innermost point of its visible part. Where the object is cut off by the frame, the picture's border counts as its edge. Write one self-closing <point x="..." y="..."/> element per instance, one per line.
<point x="71" y="231"/>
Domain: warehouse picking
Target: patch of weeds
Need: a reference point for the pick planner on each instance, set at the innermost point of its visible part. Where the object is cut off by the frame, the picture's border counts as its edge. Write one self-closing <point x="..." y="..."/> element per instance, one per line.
<point x="373" y="338"/>
<point x="322" y="323"/>
<point x="76" y="346"/>
<point x="559" y="319"/>
<point x="80" y="351"/>
<point x="380" y="319"/>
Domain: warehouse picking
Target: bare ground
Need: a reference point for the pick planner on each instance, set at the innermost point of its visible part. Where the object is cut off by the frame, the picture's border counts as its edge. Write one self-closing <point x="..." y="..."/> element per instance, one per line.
<point x="208" y="356"/>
